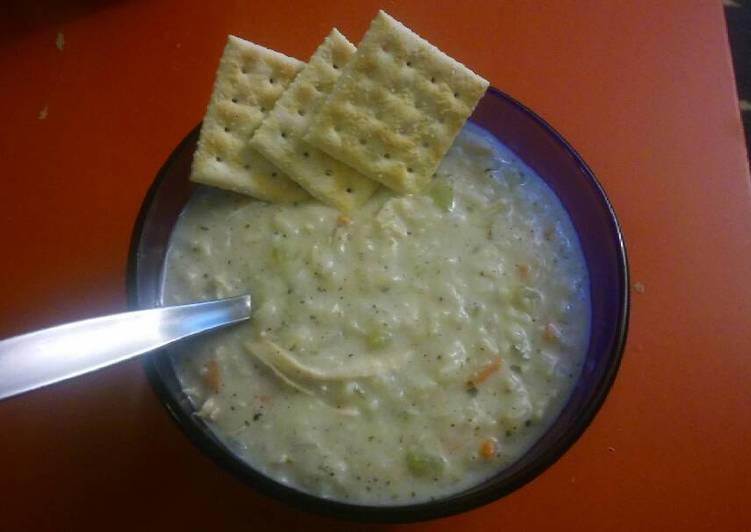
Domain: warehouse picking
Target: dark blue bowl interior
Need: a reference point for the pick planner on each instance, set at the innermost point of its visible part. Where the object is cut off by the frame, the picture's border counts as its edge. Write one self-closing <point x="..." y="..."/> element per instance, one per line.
<point x="540" y="147"/>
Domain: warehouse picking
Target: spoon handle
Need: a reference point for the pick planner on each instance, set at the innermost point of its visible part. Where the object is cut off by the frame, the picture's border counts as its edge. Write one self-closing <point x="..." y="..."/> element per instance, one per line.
<point x="43" y="357"/>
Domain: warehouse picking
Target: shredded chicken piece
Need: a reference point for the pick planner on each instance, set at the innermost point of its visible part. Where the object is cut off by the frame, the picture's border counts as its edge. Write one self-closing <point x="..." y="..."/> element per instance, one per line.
<point x="265" y="351"/>
<point x="270" y="353"/>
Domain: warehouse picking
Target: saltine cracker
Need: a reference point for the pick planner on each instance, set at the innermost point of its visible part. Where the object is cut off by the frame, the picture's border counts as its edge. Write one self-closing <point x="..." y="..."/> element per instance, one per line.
<point x="249" y="80"/>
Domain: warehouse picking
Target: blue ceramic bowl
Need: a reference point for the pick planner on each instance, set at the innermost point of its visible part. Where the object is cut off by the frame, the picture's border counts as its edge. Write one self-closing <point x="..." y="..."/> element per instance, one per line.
<point x="545" y="151"/>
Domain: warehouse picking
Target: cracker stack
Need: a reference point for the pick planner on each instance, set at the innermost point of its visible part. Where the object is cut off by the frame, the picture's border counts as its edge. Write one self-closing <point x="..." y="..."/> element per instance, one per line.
<point x="385" y="113"/>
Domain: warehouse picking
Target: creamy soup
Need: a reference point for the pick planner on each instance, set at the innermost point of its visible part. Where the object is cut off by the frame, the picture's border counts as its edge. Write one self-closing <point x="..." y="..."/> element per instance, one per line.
<point x="399" y="354"/>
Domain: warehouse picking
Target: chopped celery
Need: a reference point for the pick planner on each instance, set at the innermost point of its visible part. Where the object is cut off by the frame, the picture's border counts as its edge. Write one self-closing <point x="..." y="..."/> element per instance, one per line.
<point x="442" y="195"/>
<point x="283" y="254"/>
<point x="378" y="339"/>
<point x="422" y="464"/>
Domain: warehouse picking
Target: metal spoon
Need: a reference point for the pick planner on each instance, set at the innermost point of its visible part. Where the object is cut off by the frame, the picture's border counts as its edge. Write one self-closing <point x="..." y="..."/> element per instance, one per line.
<point x="51" y="355"/>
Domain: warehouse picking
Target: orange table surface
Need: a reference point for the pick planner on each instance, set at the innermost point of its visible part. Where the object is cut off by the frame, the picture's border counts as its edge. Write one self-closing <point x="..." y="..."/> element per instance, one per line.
<point x="643" y="90"/>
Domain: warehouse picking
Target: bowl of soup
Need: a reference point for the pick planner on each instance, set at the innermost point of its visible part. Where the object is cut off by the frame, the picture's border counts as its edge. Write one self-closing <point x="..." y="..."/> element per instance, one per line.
<point x="419" y="357"/>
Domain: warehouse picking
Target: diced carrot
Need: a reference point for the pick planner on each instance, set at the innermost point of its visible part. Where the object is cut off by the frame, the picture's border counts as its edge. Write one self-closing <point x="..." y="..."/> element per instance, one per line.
<point x="523" y="270"/>
<point x="343" y="219"/>
<point x="485" y="373"/>
<point x="487" y="448"/>
<point x="551" y="333"/>
<point x="212" y="376"/>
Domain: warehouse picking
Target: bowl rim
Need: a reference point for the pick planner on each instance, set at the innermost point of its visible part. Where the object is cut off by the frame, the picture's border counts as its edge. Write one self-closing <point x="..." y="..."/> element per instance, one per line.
<point x="421" y="511"/>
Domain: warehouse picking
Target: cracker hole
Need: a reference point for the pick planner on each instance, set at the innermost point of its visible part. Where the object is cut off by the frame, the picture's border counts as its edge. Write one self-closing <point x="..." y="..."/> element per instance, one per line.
<point x="336" y="67"/>
<point x="301" y="112"/>
<point x="387" y="156"/>
<point x="244" y="70"/>
<point x="305" y="154"/>
<point x="226" y="130"/>
<point x="272" y="80"/>
<point x="432" y="80"/>
<point x="329" y="172"/>
<point x="273" y="174"/>
<point x="218" y="159"/>
<point x="246" y="166"/>
<point x="263" y="109"/>
<point x="284" y="134"/>
<point x="234" y="100"/>
<point x="409" y="63"/>
<point x="409" y="169"/>
<point x="349" y="190"/>
<point x="456" y="95"/>
<point x="363" y="142"/>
